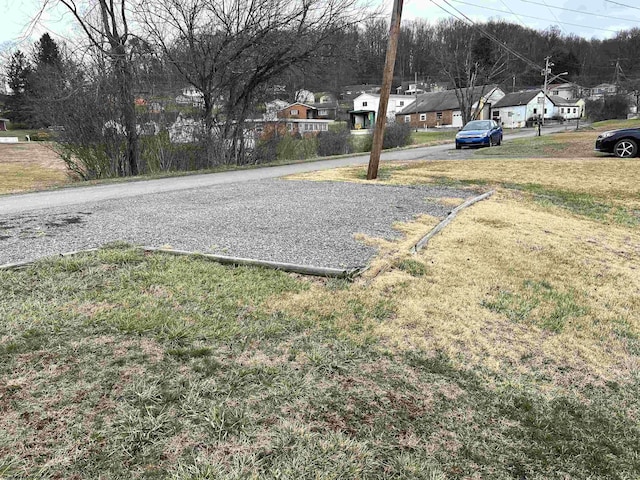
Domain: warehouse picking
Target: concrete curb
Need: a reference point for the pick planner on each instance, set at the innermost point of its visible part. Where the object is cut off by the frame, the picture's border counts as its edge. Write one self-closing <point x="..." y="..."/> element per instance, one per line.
<point x="424" y="240"/>
<point x="310" y="270"/>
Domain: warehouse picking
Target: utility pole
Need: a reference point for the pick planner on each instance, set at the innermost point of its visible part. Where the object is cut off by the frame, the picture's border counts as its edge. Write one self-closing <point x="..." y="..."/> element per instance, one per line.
<point x="387" y="78"/>
<point x="416" y="99"/>
<point x="547" y="70"/>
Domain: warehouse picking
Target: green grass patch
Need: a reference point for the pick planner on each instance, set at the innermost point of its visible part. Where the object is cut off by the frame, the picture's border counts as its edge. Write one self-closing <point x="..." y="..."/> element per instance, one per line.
<point x="615" y="124"/>
<point x="532" y="147"/>
<point x="578" y="203"/>
<point x="538" y="303"/>
<point x="433" y="137"/>
<point x="35" y="135"/>
<point x="582" y="204"/>
<point x="412" y="267"/>
<point x="121" y="364"/>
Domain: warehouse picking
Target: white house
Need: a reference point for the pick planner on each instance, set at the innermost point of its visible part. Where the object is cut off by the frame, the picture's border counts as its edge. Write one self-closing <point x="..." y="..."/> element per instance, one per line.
<point x="190" y="96"/>
<point x="600" y="91"/>
<point x="567" y="109"/>
<point x="365" y="109"/>
<point x="568" y="91"/>
<point x="514" y="109"/>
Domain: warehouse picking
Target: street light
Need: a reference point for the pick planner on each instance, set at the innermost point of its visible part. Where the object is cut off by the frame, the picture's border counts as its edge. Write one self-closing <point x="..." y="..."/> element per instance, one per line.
<point x="547" y="81"/>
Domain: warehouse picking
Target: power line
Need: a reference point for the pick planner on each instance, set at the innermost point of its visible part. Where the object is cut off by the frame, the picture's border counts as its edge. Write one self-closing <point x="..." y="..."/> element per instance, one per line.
<point x="514" y="13"/>
<point x="552" y="13"/>
<point x="535" y="18"/>
<point x="599" y="15"/>
<point x="622" y="4"/>
<point x="488" y="35"/>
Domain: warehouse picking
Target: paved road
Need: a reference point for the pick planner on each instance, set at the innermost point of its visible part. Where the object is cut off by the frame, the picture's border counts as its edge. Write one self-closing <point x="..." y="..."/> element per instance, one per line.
<point x="12" y="204"/>
<point x="250" y="214"/>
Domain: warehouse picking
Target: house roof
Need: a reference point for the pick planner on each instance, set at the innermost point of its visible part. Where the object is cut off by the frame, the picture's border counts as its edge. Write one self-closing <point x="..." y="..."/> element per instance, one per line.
<point x="325" y="105"/>
<point x="394" y="96"/>
<point x="516" y="99"/>
<point x="557" y="100"/>
<point x="300" y="103"/>
<point x="441" y="101"/>
<point x="561" y="85"/>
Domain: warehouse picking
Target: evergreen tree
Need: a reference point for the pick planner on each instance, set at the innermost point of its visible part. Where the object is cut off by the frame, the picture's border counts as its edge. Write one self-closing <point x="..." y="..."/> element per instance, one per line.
<point x="46" y="82"/>
<point x="18" y="75"/>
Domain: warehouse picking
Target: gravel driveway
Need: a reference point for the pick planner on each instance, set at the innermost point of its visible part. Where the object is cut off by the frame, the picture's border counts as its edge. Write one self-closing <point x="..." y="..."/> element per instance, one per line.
<point x="301" y="222"/>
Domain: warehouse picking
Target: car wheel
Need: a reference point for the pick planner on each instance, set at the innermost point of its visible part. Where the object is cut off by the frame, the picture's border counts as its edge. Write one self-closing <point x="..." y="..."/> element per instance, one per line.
<point x="499" y="141"/>
<point x="491" y="142"/>
<point x="458" y="147"/>
<point x="625" y="148"/>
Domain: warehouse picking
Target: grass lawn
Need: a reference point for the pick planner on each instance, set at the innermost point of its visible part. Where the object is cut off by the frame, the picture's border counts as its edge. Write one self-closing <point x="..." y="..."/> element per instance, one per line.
<point x="509" y="348"/>
<point x="21" y="134"/>
<point x="30" y="166"/>
<point x="569" y="144"/>
<point x="434" y="137"/>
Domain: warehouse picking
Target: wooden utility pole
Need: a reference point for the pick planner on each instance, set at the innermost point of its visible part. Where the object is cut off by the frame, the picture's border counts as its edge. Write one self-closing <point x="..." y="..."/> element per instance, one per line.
<point x="387" y="78"/>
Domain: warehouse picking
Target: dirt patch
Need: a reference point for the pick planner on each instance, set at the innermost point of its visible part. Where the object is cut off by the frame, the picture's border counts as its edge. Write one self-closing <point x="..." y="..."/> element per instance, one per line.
<point x="39" y="154"/>
<point x="31" y="166"/>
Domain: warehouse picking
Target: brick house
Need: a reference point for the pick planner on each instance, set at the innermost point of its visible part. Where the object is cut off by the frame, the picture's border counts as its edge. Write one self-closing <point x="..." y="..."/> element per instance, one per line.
<point x="442" y="109"/>
<point x="299" y="110"/>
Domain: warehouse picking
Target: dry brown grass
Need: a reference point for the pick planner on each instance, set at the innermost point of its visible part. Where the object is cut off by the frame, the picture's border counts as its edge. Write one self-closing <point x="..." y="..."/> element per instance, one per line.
<point x="503" y="246"/>
<point x="30" y="166"/>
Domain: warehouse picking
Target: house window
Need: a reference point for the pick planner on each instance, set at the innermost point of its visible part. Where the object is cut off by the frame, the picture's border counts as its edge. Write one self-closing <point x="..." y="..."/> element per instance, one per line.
<point x="535" y="111"/>
<point x="496" y="114"/>
<point x="294" y="112"/>
<point x="423" y="117"/>
<point x="364" y="104"/>
<point x="290" y="127"/>
<point x="323" y="112"/>
<point x="575" y="110"/>
<point x="439" y="115"/>
<point x="545" y="111"/>
<point x="402" y="103"/>
<point x="407" y="119"/>
<point x="562" y="110"/>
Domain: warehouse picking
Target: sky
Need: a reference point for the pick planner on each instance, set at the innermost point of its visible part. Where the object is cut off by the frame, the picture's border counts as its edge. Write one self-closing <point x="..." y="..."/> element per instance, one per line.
<point x="586" y="18"/>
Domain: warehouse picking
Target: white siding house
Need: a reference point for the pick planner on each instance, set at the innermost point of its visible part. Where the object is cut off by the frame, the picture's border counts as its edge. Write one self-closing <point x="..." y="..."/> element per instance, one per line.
<point x="365" y="109"/>
<point x="515" y="109"/>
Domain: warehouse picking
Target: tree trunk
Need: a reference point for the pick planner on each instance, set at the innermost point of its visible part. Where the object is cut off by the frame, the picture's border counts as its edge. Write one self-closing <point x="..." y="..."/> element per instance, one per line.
<point x="127" y="103"/>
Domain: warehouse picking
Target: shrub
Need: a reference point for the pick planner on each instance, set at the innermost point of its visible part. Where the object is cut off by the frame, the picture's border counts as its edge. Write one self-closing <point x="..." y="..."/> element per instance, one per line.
<point x="295" y="147"/>
<point x="608" y="108"/>
<point x="266" y="150"/>
<point x="395" y="135"/>
<point x="334" y="142"/>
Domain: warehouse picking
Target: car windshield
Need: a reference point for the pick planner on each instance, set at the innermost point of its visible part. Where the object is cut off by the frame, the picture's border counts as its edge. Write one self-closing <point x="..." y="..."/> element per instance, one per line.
<point x="478" y="125"/>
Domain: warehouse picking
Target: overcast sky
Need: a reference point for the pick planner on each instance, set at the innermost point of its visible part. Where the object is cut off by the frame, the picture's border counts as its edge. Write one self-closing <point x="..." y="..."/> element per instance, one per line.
<point x="587" y="18"/>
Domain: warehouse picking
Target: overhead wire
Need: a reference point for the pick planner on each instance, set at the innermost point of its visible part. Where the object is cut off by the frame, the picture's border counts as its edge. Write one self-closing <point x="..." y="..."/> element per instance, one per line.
<point x="622" y="4"/>
<point x="554" y="15"/>
<point x="533" y="17"/>
<point x="582" y="12"/>
<point x="493" y="38"/>
<point x="490" y="36"/>
<point x="514" y="13"/>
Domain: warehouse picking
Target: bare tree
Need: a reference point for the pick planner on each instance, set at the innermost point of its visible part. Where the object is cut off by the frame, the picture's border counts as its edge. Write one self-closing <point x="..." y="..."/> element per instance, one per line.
<point x="470" y="62"/>
<point x="231" y="50"/>
<point x="106" y="24"/>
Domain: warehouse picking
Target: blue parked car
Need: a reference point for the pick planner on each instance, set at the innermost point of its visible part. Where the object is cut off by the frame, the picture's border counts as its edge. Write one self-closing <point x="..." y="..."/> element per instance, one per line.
<point x="479" y="133"/>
